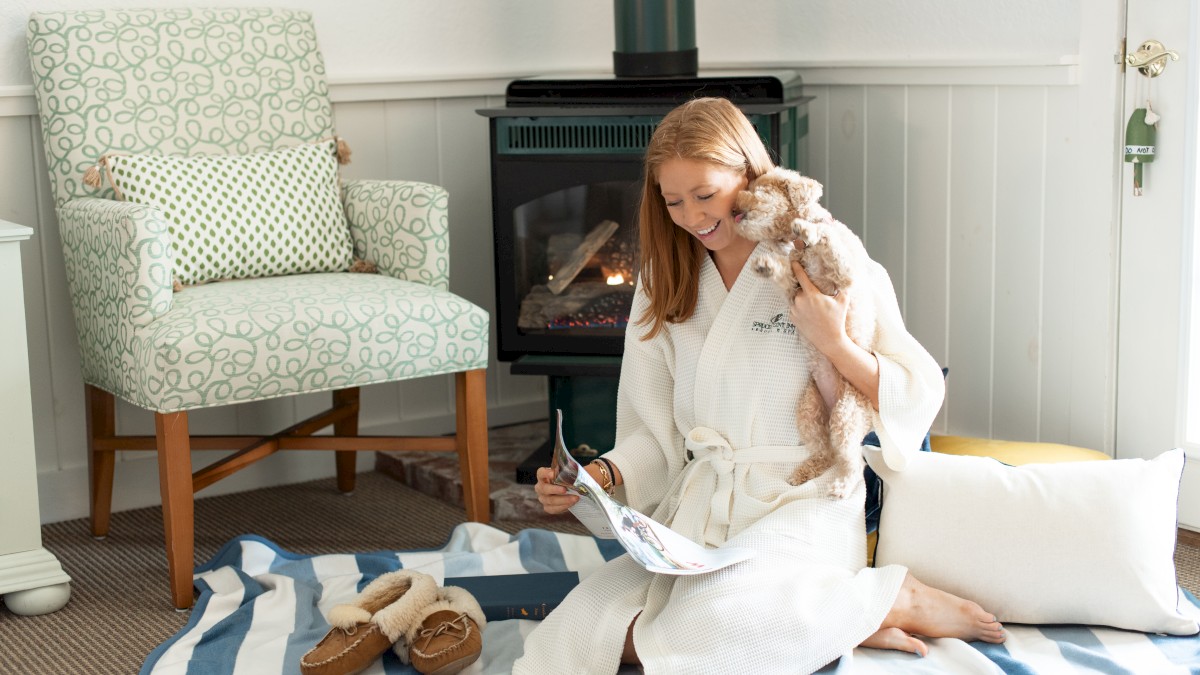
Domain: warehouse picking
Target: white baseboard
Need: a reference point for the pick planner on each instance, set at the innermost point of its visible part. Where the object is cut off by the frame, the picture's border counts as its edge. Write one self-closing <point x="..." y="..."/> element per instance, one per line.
<point x="64" y="493"/>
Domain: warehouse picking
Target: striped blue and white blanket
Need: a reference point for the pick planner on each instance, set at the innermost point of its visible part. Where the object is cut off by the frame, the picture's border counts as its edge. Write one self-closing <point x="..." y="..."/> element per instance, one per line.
<point x="260" y="608"/>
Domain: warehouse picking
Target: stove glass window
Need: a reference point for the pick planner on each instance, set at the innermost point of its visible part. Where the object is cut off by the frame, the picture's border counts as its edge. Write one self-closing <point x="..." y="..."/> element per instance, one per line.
<point x="576" y="259"/>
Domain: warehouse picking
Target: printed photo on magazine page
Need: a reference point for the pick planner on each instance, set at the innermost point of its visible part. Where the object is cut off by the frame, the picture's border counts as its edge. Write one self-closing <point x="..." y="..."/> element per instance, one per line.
<point x="657" y="547"/>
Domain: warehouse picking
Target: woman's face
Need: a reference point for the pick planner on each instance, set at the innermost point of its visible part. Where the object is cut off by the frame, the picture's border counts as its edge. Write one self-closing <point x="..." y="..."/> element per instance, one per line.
<point x="700" y="198"/>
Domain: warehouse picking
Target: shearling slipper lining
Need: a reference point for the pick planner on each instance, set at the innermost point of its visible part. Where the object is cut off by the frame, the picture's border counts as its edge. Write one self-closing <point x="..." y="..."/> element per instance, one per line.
<point x="347" y="617"/>
<point x="393" y="601"/>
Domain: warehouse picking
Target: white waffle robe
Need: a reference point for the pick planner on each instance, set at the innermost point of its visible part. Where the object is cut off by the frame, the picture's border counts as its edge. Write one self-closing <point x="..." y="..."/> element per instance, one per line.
<point x="734" y="372"/>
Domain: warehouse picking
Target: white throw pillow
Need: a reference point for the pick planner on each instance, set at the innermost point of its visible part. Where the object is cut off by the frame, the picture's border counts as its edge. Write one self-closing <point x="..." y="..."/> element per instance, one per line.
<point x="1076" y="542"/>
<point x="244" y="216"/>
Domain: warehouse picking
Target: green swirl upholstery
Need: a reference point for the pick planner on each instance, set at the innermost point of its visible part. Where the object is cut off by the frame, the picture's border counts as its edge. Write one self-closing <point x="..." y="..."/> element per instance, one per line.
<point x="402" y="228"/>
<point x="233" y="82"/>
<point x="118" y="266"/>
<point x="262" y="338"/>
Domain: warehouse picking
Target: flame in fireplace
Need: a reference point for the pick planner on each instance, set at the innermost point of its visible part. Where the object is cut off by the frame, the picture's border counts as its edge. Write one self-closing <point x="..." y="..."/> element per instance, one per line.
<point x="616" y="279"/>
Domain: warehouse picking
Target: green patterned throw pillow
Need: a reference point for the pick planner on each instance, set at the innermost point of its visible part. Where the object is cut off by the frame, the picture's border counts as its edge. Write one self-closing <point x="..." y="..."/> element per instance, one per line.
<point x="243" y="216"/>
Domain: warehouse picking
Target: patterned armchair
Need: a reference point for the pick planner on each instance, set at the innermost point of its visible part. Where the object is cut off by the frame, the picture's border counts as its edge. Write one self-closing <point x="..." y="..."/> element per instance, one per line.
<point x="235" y="82"/>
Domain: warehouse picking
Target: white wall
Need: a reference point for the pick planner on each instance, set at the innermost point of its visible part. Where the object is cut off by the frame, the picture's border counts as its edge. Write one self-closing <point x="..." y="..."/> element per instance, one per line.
<point x="382" y="39"/>
<point x="952" y="135"/>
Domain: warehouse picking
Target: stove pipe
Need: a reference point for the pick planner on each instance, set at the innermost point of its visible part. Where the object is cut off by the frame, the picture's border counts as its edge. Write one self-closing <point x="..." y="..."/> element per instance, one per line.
<point x="655" y="38"/>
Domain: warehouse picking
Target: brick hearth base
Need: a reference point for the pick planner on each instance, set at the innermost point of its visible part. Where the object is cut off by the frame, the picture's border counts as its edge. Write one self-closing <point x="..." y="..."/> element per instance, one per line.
<point x="436" y="473"/>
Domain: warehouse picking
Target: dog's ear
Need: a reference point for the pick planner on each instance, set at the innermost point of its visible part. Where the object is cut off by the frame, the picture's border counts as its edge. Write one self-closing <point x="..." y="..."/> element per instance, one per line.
<point x="746" y="200"/>
<point x="818" y="213"/>
<point x="803" y="190"/>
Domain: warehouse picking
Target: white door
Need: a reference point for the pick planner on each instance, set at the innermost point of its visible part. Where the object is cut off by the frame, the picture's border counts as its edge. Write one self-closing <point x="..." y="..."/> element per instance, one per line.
<point x="1158" y="250"/>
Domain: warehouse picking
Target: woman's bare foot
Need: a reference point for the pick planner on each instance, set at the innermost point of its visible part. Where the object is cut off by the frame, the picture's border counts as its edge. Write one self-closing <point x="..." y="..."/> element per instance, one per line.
<point x="923" y="610"/>
<point x="894" y="638"/>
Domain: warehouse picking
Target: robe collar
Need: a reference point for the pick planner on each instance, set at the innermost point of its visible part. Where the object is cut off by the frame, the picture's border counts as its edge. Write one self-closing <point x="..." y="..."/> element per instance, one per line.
<point x="725" y="312"/>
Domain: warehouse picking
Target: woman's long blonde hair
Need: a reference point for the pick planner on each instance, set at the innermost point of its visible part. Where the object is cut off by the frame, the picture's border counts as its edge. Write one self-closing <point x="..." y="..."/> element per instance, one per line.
<point x="709" y="130"/>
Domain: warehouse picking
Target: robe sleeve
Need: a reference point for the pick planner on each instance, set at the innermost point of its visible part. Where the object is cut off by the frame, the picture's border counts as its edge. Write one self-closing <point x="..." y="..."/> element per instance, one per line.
<point x="911" y="385"/>
<point x="649" y="448"/>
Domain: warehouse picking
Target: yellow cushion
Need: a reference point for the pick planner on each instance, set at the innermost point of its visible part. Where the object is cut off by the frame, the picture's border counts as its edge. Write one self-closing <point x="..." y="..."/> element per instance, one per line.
<point x="1014" y="453"/>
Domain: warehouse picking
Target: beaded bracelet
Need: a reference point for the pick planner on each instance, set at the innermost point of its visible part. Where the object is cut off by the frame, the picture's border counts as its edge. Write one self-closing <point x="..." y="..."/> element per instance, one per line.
<point x="608" y="486"/>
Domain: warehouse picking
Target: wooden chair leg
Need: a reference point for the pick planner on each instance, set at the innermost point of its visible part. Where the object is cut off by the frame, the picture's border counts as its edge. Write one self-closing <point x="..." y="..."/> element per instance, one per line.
<point x="101" y="423"/>
<point x="175" y="482"/>
<point x="470" y="390"/>
<point x="346" y="459"/>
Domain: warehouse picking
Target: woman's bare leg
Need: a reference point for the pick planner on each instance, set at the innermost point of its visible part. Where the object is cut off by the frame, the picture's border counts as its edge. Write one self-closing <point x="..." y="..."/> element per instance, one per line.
<point x="923" y="610"/>
<point x="628" y="655"/>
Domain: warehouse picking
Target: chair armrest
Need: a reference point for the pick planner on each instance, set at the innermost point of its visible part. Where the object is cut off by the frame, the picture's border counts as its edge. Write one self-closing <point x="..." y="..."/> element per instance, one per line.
<point x="119" y="264"/>
<point x="402" y="227"/>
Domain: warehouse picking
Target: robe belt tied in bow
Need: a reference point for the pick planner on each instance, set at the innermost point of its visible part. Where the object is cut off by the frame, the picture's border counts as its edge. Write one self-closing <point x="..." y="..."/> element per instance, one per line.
<point x="713" y="463"/>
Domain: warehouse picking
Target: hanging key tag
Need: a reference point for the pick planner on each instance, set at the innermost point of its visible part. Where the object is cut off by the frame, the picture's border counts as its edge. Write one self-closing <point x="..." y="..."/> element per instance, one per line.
<point x="1140" y="137"/>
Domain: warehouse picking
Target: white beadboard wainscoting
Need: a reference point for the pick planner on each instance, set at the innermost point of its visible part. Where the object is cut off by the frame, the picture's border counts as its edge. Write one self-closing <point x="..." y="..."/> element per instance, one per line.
<point x="968" y="194"/>
<point x="961" y="180"/>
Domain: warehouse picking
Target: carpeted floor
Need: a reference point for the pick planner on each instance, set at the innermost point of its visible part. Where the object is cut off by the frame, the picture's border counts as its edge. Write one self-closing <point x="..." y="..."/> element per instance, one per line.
<point x="120" y="607"/>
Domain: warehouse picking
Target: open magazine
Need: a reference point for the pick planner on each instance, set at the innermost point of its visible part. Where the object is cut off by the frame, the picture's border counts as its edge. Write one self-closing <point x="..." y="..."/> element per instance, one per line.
<point x="657" y="547"/>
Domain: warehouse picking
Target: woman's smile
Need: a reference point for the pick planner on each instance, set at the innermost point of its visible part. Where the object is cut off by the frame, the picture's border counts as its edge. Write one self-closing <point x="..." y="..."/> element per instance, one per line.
<point x="700" y="198"/>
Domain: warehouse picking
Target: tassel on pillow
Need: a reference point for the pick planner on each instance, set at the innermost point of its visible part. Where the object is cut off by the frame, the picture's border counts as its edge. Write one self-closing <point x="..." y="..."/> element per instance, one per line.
<point x="343" y="151"/>
<point x="91" y="177"/>
<point x="361" y="266"/>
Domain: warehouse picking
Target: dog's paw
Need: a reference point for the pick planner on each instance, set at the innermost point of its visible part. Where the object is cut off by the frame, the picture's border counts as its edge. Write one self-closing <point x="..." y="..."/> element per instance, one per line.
<point x="808" y="232"/>
<point x="765" y="266"/>
<point x="841" y="487"/>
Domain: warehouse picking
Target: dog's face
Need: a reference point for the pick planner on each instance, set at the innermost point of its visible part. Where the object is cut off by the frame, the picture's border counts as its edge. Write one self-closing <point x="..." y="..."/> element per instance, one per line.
<point x="771" y="204"/>
<point x="765" y="207"/>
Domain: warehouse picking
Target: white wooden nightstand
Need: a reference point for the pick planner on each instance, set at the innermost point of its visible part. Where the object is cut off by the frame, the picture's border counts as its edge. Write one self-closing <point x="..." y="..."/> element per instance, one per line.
<point x="31" y="579"/>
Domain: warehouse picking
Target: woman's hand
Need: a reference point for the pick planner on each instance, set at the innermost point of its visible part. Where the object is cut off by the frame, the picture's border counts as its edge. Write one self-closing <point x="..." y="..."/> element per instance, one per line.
<point x="554" y="498"/>
<point x="820" y="318"/>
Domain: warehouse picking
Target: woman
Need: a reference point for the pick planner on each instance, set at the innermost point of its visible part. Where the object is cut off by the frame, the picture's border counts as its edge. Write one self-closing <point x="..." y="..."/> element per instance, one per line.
<point x="710" y="353"/>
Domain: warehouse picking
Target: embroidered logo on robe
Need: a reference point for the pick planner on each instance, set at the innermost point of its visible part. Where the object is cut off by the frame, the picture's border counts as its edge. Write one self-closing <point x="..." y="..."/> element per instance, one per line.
<point x="777" y="324"/>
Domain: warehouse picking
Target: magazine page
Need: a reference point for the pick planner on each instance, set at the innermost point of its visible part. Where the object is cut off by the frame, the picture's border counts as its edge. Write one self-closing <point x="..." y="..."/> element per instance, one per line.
<point x="657" y="547"/>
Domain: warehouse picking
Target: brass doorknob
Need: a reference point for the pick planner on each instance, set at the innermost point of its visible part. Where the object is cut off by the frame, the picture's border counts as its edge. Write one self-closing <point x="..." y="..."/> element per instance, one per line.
<point x="1151" y="58"/>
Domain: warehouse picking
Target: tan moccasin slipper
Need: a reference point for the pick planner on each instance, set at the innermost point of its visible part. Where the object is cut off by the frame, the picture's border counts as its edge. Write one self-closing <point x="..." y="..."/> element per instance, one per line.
<point x="448" y="636"/>
<point x="388" y="609"/>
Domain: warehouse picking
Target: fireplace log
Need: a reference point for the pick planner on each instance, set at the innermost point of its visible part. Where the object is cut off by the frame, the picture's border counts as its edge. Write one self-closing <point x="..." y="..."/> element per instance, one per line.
<point x="584" y="252"/>
<point x="540" y="308"/>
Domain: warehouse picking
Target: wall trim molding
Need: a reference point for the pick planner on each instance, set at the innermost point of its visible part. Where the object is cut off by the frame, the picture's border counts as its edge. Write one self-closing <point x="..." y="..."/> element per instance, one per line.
<point x="1056" y="75"/>
<point x="17" y="100"/>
